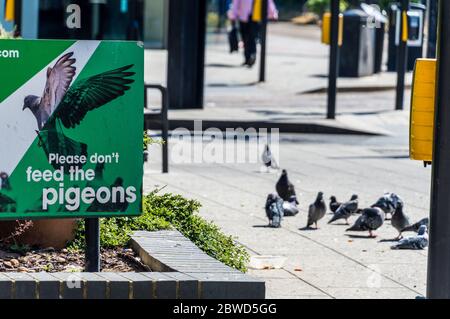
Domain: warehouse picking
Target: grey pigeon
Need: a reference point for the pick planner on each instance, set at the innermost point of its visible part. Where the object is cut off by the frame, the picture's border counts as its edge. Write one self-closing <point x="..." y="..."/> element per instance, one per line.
<point x="334" y="204"/>
<point x="284" y="187"/>
<point x="274" y="210"/>
<point x="268" y="159"/>
<point x="290" y="207"/>
<point x="388" y="203"/>
<point x="371" y="219"/>
<point x="420" y="241"/>
<point x="346" y="210"/>
<point x="399" y="220"/>
<point x="317" y="211"/>
<point x="58" y="82"/>
<point x="415" y="227"/>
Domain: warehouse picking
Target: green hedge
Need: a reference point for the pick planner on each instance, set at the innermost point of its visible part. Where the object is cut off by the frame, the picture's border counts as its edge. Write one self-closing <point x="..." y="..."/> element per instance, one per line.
<point x="167" y="212"/>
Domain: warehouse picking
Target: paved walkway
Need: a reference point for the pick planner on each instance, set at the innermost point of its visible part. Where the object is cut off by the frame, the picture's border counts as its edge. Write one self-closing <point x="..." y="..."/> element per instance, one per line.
<point x="297" y="65"/>
<point x="326" y="263"/>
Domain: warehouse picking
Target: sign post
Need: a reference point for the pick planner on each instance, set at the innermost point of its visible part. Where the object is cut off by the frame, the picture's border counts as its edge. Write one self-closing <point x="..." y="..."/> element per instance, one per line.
<point x="438" y="278"/>
<point x="92" y="226"/>
<point x="71" y="115"/>
<point x="402" y="54"/>
<point x="334" y="60"/>
<point x="264" y="22"/>
<point x="432" y="26"/>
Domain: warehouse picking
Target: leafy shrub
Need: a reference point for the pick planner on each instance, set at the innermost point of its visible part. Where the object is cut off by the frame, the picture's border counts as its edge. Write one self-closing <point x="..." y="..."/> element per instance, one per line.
<point x="166" y="212"/>
<point x="181" y="213"/>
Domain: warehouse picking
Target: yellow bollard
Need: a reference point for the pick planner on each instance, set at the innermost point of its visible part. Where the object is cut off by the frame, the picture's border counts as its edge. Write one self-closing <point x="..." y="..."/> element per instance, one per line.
<point x="10" y="10"/>
<point x="422" y="110"/>
<point x="326" y="28"/>
<point x="405" y="35"/>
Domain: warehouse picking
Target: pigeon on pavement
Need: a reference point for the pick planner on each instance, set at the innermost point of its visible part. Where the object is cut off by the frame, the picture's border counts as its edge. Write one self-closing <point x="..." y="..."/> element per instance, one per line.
<point x="317" y="211"/>
<point x="371" y="219"/>
<point x="274" y="210"/>
<point x="399" y="220"/>
<point x="268" y="159"/>
<point x="388" y="203"/>
<point x="420" y="241"/>
<point x="284" y="187"/>
<point x="334" y="204"/>
<point x="346" y="210"/>
<point x="415" y="227"/>
<point x="290" y="207"/>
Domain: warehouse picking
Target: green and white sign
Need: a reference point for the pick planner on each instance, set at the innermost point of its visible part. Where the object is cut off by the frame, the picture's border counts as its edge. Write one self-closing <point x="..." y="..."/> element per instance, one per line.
<point x="71" y="123"/>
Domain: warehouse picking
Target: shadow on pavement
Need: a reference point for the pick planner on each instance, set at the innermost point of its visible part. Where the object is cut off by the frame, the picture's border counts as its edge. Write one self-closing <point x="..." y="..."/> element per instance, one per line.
<point x="228" y="85"/>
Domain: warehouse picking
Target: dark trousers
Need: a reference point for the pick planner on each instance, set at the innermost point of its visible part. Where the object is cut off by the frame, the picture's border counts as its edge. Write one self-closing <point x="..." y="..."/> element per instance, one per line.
<point x="249" y="34"/>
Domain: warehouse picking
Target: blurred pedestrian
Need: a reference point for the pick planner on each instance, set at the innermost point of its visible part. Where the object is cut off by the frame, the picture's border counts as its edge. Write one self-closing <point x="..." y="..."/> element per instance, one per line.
<point x="222" y="9"/>
<point x="248" y="14"/>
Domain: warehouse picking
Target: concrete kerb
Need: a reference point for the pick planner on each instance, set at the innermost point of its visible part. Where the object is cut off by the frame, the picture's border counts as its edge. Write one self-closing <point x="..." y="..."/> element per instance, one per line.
<point x="202" y="277"/>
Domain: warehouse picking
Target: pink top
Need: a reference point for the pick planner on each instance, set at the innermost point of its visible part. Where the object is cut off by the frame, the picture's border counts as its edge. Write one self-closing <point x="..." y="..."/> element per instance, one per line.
<point x="242" y="9"/>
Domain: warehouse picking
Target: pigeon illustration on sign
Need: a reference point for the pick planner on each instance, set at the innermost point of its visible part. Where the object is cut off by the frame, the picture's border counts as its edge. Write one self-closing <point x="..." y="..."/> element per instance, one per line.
<point x="59" y="79"/>
<point x="7" y="204"/>
<point x="64" y="105"/>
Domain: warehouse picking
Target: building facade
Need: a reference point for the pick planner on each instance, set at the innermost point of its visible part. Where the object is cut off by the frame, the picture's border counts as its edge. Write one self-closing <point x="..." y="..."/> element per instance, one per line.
<point x="143" y="20"/>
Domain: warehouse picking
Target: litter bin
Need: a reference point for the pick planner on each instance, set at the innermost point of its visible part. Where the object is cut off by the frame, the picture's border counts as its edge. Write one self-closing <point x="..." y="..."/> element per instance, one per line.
<point x="416" y="25"/>
<point x="378" y="21"/>
<point x="358" y="47"/>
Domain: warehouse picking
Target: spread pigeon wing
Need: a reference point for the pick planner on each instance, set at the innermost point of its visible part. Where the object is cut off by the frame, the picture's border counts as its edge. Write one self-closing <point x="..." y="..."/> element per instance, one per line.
<point x="58" y="82"/>
<point x="93" y="93"/>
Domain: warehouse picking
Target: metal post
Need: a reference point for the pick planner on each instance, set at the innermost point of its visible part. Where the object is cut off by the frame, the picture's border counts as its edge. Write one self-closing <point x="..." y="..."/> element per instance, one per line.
<point x="18" y="17"/>
<point x="432" y="28"/>
<point x="92" y="234"/>
<point x="165" y="130"/>
<point x="262" y="68"/>
<point x="95" y="31"/>
<point x="438" y="279"/>
<point x="334" y="59"/>
<point x="186" y="58"/>
<point x="402" y="57"/>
